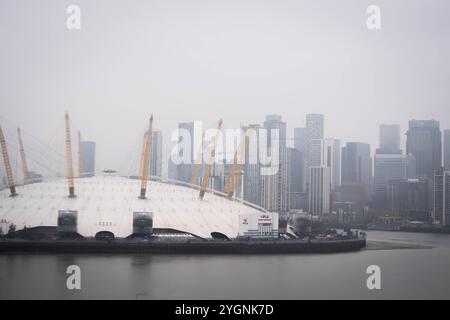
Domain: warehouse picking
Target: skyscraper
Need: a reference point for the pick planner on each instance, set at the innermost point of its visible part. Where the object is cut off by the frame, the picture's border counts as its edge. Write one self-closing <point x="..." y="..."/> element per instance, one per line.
<point x="441" y="198"/>
<point x="319" y="190"/>
<point x="252" y="168"/>
<point x="408" y="198"/>
<point x="156" y="163"/>
<point x="389" y="167"/>
<point x="314" y="130"/>
<point x="389" y="139"/>
<point x="447" y="149"/>
<point x="88" y="154"/>
<point x="357" y="166"/>
<point x="424" y="142"/>
<point x="315" y="152"/>
<point x="296" y="177"/>
<point x="296" y="169"/>
<point x="300" y="139"/>
<point x="330" y="156"/>
<point x="315" y="126"/>
<point x="275" y="188"/>
<point x="184" y="170"/>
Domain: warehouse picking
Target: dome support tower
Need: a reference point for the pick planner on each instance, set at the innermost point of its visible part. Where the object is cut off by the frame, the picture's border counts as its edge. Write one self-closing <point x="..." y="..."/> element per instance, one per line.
<point x="22" y="157"/>
<point x="145" y="158"/>
<point x="8" y="169"/>
<point x="69" y="160"/>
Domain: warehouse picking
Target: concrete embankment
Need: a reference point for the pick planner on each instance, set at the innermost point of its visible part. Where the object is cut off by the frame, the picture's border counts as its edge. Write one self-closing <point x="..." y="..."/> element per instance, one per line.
<point x="175" y="247"/>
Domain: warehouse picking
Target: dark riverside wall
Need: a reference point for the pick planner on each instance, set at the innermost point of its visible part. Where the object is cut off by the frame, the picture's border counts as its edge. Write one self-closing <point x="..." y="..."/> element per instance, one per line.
<point x="206" y="247"/>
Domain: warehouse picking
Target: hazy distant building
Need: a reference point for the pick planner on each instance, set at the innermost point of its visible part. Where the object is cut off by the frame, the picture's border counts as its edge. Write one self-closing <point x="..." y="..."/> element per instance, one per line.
<point x="88" y="156"/>
<point x="295" y="169"/>
<point x="327" y="152"/>
<point x="441" y="198"/>
<point x="353" y="195"/>
<point x="390" y="167"/>
<point x="252" y="182"/>
<point x="315" y="126"/>
<point x="330" y="156"/>
<point x="172" y="169"/>
<point x="357" y="166"/>
<point x="389" y="139"/>
<point x="275" y="188"/>
<point x="447" y="150"/>
<point x="408" y="198"/>
<point x="300" y="139"/>
<point x="319" y="190"/>
<point x="314" y="130"/>
<point x="299" y="199"/>
<point x="315" y="153"/>
<point x="156" y="163"/>
<point x="184" y="170"/>
<point x="424" y="142"/>
<point x="296" y="177"/>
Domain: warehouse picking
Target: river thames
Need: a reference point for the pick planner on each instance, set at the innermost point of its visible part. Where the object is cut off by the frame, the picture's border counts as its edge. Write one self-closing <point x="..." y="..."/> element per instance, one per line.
<point x="413" y="266"/>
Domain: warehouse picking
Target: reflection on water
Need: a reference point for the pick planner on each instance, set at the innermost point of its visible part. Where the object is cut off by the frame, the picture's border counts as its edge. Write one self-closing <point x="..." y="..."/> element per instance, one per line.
<point x="406" y="273"/>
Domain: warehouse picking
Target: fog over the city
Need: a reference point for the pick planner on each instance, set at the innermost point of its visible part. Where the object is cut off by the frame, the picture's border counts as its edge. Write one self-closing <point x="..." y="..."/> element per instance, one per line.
<point x="238" y="60"/>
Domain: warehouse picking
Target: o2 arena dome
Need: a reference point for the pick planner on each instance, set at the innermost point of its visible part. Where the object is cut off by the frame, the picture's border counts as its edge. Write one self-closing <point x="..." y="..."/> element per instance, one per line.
<point x="110" y="203"/>
<point x="112" y="206"/>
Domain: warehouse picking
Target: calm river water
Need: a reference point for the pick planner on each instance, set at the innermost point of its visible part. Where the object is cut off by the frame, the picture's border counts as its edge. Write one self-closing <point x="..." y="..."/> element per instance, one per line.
<point x="406" y="273"/>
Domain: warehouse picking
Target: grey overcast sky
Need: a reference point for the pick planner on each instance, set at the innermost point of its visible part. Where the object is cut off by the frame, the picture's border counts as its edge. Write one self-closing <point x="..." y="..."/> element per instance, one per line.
<point x="239" y="60"/>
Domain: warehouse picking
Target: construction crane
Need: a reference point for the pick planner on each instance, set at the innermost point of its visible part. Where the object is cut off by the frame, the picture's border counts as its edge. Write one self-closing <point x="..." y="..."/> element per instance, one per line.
<point x="9" y="174"/>
<point x="235" y="171"/>
<point x="80" y="156"/>
<point x="205" y="178"/>
<point x="145" y="158"/>
<point x="22" y="158"/>
<point x="69" y="160"/>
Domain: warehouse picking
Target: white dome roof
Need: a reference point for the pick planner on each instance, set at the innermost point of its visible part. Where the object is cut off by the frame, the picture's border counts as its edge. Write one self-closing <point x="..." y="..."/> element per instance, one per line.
<point x="107" y="203"/>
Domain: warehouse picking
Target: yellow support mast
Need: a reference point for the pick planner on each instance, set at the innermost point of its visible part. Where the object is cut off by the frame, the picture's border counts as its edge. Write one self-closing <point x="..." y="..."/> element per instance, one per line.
<point x="22" y="158"/>
<point x="8" y="169"/>
<point x="70" y="179"/>
<point x="145" y="160"/>
<point x="205" y="178"/>
<point x="141" y="165"/>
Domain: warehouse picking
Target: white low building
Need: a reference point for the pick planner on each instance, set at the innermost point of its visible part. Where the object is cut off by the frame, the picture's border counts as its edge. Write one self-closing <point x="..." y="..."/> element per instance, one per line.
<point x="259" y="225"/>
